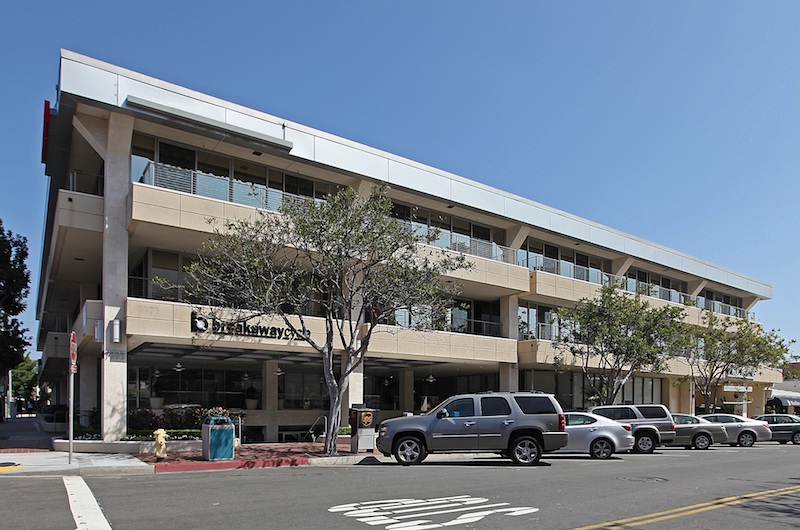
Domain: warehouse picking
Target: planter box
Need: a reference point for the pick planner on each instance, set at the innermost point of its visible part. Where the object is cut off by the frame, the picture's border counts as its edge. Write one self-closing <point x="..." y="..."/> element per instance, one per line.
<point x="99" y="446"/>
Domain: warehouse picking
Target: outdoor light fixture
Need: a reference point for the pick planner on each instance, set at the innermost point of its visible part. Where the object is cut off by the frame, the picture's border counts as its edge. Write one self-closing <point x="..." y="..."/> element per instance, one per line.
<point x="98" y="331"/>
<point x="279" y="372"/>
<point x="115" y="330"/>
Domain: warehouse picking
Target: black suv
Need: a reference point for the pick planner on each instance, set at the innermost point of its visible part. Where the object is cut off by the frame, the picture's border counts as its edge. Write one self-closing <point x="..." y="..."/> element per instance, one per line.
<point x="520" y="425"/>
<point x="652" y="424"/>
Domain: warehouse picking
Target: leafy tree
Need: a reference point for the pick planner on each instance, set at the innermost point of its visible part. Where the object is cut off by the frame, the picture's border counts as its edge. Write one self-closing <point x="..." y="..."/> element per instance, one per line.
<point x="722" y="348"/>
<point x="346" y="256"/>
<point x="25" y="377"/>
<point x="615" y="335"/>
<point x="14" y="287"/>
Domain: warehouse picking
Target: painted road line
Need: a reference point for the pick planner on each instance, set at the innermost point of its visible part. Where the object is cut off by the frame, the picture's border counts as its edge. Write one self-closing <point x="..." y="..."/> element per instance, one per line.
<point x="7" y="466"/>
<point x="692" y="509"/>
<point x="85" y="510"/>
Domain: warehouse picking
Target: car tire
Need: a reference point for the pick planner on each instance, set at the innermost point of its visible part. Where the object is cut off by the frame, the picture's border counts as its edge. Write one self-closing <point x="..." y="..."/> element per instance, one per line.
<point x="645" y="443"/>
<point x="702" y="441"/>
<point x="796" y="438"/>
<point x="409" y="450"/>
<point x="525" y="451"/>
<point x="746" y="439"/>
<point x="601" y="448"/>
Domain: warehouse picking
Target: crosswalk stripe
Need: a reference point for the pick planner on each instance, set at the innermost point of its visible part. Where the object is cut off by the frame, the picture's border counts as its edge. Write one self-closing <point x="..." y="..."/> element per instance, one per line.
<point x="85" y="510"/>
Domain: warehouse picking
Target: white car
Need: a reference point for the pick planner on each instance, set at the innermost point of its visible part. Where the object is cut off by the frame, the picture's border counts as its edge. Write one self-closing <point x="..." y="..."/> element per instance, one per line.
<point x="596" y="435"/>
<point x="741" y="430"/>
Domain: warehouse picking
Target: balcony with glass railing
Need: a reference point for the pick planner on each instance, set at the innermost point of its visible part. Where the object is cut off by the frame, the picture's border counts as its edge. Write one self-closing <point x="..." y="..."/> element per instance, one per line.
<point x="596" y="276"/>
<point x="449" y="240"/>
<point x="212" y="186"/>
<point x="83" y="182"/>
<point x="260" y="196"/>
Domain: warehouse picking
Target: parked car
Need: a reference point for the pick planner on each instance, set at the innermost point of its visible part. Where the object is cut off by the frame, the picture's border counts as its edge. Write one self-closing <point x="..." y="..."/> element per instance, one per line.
<point x="596" y="435"/>
<point x="520" y="425"/>
<point x="741" y="430"/>
<point x="652" y="424"/>
<point x="785" y="427"/>
<point x="692" y="431"/>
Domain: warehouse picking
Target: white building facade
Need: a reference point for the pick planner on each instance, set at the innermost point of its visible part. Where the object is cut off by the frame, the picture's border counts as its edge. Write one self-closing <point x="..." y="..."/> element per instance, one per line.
<point x="137" y="166"/>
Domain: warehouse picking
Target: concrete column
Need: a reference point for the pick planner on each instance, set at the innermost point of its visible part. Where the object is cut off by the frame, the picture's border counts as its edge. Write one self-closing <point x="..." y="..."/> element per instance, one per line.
<point x="270" y="402"/>
<point x="407" y="390"/>
<point x="87" y="373"/>
<point x="509" y="377"/>
<point x="695" y="287"/>
<point x="113" y="366"/>
<point x="621" y="265"/>
<point x="355" y="390"/>
<point x="509" y="306"/>
<point x="673" y="394"/>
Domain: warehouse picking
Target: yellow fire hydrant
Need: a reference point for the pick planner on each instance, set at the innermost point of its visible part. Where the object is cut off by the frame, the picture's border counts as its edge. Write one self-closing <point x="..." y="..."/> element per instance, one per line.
<point x="161" y="443"/>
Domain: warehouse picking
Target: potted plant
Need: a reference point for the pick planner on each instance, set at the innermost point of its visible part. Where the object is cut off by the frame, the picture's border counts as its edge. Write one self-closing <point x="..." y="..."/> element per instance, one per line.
<point x="251" y="398"/>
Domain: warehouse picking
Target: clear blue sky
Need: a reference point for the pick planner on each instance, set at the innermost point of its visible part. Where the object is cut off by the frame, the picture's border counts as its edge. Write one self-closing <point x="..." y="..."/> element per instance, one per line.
<point x="675" y="121"/>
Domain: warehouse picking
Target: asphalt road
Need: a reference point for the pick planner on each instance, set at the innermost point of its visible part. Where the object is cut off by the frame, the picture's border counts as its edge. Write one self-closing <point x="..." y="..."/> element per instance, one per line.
<point x="723" y="487"/>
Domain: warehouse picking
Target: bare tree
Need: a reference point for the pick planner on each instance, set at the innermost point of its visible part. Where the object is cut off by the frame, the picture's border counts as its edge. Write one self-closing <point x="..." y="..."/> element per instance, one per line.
<point x="344" y="259"/>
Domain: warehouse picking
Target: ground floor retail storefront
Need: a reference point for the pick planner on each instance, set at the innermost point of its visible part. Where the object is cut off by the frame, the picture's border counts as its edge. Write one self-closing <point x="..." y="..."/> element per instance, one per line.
<point x="284" y="401"/>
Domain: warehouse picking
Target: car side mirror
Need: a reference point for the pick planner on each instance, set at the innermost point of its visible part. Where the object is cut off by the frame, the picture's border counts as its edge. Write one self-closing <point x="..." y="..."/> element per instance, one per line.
<point x="442" y="413"/>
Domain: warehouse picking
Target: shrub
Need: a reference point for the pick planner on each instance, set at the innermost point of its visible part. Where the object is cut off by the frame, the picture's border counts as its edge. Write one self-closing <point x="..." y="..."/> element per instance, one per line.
<point x="142" y="419"/>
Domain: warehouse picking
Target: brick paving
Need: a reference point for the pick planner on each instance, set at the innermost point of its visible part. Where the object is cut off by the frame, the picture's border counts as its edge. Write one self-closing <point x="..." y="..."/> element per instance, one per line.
<point x="253" y="453"/>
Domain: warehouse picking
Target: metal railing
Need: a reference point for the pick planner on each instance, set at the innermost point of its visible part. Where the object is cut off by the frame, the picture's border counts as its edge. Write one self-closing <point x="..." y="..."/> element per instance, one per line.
<point x="83" y="182"/>
<point x="468" y="245"/>
<point x="596" y="276"/>
<point x="214" y="186"/>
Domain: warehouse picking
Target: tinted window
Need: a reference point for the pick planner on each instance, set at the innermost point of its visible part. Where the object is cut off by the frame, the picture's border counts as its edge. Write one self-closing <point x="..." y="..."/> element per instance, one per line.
<point x="495" y="406"/>
<point x="622" y="413"/>
<point x="461" y="407"/>
<point x="685" y="420"/>
<point x="535" y="405"/>
<point x="652" y="412"/>
<point x="579" y="419"/>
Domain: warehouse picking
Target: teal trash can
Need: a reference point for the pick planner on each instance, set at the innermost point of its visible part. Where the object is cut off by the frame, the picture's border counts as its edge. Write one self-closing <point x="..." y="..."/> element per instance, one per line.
<point x="217" y="438"/>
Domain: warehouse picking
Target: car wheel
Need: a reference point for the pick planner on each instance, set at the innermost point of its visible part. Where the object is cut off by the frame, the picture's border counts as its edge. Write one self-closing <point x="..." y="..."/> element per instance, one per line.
<point x="645" y="443"/>
<point x="409" y="451"/>
<point x="796" y="438"/>
<point x="601" y="448"/>
<point x="701" y="441"/>
<point x="525" y="451"/>
<point x="746" y="439"/>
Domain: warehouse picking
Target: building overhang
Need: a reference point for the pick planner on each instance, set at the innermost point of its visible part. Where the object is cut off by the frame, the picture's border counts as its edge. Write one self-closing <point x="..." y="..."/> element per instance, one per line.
<point x="191" y="122"/>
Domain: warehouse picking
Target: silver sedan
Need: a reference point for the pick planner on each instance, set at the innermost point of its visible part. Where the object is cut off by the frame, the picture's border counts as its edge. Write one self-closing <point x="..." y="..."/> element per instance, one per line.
<point x="596" y="435"/>
<point x="741" y="430"/>
<point x="699" y="433"/>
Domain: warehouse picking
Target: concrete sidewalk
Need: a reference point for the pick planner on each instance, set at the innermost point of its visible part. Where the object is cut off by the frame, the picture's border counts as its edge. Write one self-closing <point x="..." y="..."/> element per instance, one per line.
<point x="27" y="450"/>
<point x="23" y="451"/>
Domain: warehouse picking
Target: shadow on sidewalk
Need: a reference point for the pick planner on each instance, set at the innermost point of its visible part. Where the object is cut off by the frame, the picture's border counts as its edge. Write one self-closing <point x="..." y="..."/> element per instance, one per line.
<point x="24" y="435"/>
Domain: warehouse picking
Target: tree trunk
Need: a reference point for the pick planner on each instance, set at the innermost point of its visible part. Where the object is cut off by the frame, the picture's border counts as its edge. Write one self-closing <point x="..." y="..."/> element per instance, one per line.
<point x="334" y="420"/>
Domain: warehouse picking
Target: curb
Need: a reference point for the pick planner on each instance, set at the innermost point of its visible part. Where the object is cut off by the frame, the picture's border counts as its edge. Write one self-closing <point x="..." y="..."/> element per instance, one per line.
<point x="234" y="464"/>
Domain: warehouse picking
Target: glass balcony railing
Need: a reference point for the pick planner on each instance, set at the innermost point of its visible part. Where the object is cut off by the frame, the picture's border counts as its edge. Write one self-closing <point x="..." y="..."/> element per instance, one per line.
<point x="212" y="186"/>
<point x="83" y="182"/>
<point x="596" y="276"/>
<point x="260" y="196"/>
<point x="468" y="245"/>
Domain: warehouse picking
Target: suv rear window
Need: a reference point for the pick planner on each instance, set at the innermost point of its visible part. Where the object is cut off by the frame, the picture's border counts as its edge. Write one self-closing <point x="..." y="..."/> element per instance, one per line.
<point x="652" y="412"/>
<point x="621" y="413"/>
<point x="535" y="405"/>
<point x="494" y="406"/>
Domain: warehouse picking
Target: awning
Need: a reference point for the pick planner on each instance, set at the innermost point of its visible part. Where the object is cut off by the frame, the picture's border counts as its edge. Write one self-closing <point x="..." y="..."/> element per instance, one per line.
<point x="787" y="397"/>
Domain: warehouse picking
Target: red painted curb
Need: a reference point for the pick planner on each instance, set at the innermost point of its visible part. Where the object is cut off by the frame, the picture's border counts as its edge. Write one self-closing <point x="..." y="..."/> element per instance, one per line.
<point x="235" y="464"/>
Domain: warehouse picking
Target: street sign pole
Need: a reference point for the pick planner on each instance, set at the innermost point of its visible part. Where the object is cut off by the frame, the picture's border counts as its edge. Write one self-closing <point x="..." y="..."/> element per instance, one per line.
<point x="73" y="359"/>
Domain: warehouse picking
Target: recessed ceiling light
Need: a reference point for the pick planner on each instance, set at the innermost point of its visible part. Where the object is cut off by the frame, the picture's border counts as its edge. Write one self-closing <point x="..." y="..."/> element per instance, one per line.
<point x="257" y="153"/>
